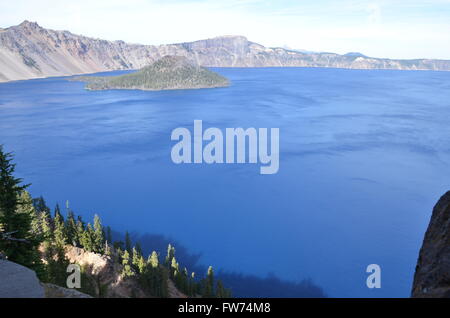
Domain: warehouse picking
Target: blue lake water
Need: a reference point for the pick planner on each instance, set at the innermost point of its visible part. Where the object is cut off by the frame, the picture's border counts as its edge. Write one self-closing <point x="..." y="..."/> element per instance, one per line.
<point x="364" y="156"/>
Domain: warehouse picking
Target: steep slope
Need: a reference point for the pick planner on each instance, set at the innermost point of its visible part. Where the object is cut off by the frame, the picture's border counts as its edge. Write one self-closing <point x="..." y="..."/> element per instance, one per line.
<point x="169" y="72"/>
<point x="106" y="276"/>
<point x="432" y="276"/>
<point x="17" y="281"/>
<point x="30" y="51"/>
<point x="55" y="291"/>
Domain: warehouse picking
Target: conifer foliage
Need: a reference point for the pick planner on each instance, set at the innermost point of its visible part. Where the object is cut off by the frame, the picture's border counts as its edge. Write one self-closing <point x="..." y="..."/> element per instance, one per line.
<point x="16" y="218"/>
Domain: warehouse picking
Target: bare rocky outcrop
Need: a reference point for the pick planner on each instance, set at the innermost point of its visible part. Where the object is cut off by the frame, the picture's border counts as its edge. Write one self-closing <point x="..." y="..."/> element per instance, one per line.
<point x="54" y="291"/>
<point x="432" y="276"/>
<point x="173" y="290"/>
<point x="105" y="274"/>
<point x="30" y="51"/>
<point x="17" y="281"/>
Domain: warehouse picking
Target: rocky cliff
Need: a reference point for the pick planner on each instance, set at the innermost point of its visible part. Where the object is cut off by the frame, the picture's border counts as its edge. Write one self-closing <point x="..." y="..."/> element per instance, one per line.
<point x="102" y="273"/>
<point x="17" y="281"/>
<point x="30" y="51"/>
<point x="432" y="276"/>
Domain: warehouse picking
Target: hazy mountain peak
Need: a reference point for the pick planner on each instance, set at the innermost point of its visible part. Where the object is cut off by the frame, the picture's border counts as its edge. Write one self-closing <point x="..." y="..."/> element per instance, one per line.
<point x="29" y="24"/>
<point x="171" y="62"/>
<point x="355" y="54"/>
<point x="231" y="37"/>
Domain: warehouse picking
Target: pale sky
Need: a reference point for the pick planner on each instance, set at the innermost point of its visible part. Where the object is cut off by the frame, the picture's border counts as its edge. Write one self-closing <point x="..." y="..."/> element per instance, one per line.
<point x="379" y="28"/>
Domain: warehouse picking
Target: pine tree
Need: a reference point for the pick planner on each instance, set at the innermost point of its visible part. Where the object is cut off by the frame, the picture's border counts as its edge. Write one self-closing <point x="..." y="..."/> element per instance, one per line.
<point x="210" y="276"/>
<point x="141" y="265"/>
<point x="153" y="260"/>
<point x="71" y="226"/>
<point x="135" y="257"/>
<point x="60" y="234"/>
<point x="56" y="265"/>
<point x="170" y="255"/>
<point x="54" y="248"/>
<point x="87" y="238"/>
<point x="138" y="248"/>
<point x="192" y="285"/>
<point x="183" y="282"/>
<point x="58" y="211"/>
<point x="174" y="265"/>
<point x="163" y="283"/>
<point x="127" y="242"/>
<point x="28" y="207"/>
<point x="80" y="231"/>
<point x="107" y="249"/>
<point x="155" y="277"/>
<point x="208" y="288"/>
<point x="127" y="271"/>
<point x="221" y="291"/>
<point x="118" y="254"/>
<point x="118" y="245"/>
<point x="12" y="219"/>
<point x="98" y="235"/>
<point x="46" y="226"/>
<point x="109" y="235"/>
<point x="40" y="205"/>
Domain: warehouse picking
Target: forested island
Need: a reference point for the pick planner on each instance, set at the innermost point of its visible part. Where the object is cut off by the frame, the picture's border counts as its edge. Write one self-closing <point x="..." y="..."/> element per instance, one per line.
<point x="169" y="72"/>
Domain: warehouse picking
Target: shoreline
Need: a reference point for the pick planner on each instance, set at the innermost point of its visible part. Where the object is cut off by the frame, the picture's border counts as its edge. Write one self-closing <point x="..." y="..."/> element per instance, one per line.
<point x="237" y="67"/>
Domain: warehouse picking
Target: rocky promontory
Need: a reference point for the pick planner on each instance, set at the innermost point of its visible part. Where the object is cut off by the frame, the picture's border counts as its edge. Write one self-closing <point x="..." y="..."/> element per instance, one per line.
<point x="17" y="281"/>
<point x="432" y="276"/>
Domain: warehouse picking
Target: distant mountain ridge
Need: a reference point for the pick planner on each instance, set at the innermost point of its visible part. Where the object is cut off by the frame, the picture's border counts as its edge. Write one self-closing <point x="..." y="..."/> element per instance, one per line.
<point x="30" y="51"/>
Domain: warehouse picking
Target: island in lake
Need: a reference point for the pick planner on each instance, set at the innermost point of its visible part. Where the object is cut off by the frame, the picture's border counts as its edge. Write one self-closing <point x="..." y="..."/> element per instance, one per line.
<point x="169" y="72"/>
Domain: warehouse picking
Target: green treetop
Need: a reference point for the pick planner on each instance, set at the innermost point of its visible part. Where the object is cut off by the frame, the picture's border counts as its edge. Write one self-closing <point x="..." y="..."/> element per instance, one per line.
<point x="71" y="226"/>
<point x="15" y="219"/>
<point x="170" y="254"/>
<point x="127" y="271"/>
<point x="208" y="288"/>
<point x="127" y="242"/>
<point x="60" y="233"/>
<point x="153" y="260"/>
<point x="98" y="236"/>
